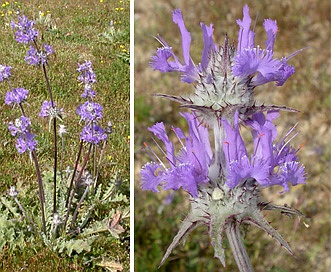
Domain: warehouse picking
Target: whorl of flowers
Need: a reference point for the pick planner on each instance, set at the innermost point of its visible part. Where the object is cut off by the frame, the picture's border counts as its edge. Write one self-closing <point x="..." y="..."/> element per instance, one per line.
<point x="90" y="112"/>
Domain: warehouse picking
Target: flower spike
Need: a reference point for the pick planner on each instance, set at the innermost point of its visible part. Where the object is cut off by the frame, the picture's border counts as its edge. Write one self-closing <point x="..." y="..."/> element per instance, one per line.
<point x="224" y="183"/>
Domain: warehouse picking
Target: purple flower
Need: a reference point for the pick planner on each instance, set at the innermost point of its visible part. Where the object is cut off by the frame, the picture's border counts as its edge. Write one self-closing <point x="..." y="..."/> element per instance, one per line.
<point x="35" y="57"/>
<point x="21" y="126"/>
<point x="4" y="72"/>
<point x="93" y="134"/>
<point x="251" y="60"/>
<point x="188" y="168"/>
<point x="16" y="96"/>
<point x="86" y="73"/>
<point x="88" y="93"/>
<point x="160" y="61"/>
<point x="25" y="32"/>
<point x="270" y="164"/>
<point x="25" y="139"/>
<point x="89" y="111"/>
<point x="26" y="142"/>
<point x="48" y="110"/>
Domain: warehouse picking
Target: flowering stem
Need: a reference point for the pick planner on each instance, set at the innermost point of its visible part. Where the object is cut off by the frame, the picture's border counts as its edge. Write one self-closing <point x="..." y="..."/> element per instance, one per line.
<point x="24" y="212"/>
<point x="94" y="160"/>
<point x="98" y="165"/>
<point x="40" y="182"/>
<point x="61" y="158"/>
<point x="41" y="189"/>
<point x="74" y="172"/>
<point x="237" y="246"/>
<point x="55" y="136"/>
<point x="48" y="86"/>
<point x="76" y="183"/>
<point x="55" y="165"/>
<point x="77" y="207"/>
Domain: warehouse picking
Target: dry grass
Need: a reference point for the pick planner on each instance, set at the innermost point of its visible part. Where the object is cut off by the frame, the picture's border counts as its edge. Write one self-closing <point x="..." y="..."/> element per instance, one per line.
<point x="301" y="24"/>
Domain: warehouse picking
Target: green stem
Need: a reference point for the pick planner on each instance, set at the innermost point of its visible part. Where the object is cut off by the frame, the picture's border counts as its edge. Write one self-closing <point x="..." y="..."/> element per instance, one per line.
<point x="237" y="246"/>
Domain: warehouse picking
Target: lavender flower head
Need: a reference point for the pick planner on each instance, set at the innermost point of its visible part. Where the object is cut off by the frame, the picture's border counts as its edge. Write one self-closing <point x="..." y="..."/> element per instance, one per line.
<point x="25" y="32"/>
<point x="90" y="111"/>
<point x="93" y="134"/>
<point x="248" y="60"/>
<point x="26" y="142"/>
<point x="4" y="72"/>
<point x="225" y="78"/>
<point x="21" y="126"/>
<point x="16" y="96"/>
<point x="35" y="57"/>
<point x="88" y="93"/>
<point x="88" y="78"/>
<point x="271" y="164"/>
<point x="86" y="73"/>
<point x="25" y="139"/>
<point x="188" y="168"/>
<point x="48" y="110"/>
<point x="252" y="60"/>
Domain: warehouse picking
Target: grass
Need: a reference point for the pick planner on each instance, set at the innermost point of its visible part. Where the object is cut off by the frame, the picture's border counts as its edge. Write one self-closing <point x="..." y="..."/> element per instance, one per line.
<point x="77" y="31"/>
<point x="301" y="24"/>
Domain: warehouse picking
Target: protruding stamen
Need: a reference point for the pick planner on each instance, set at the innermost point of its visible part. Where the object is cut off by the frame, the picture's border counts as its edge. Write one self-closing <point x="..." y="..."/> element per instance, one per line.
<point x="299" y="147"/>
<point x="165" y="155"/>
<point x="172" y="128"/>
<point x="161" y="41"/>
<point x="285" y="144"/>
<point x="150" y="152"/>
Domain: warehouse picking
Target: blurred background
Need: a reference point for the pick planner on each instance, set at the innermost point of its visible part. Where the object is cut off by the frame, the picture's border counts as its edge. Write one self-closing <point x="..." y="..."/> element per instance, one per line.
<point x="301" y="23"/>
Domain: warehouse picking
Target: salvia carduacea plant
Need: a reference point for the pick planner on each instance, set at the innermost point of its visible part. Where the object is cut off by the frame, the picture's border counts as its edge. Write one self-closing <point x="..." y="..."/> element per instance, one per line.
<point x="61" y="217"/>
<point x="224" y="180"/>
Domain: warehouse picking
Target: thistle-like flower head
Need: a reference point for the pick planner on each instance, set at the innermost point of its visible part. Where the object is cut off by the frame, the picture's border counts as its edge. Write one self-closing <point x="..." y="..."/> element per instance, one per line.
<point x="226" y="77"/>
<point x="224" y="185"/>
<point x="21" y="126"/>
<point x="88" y="78"/>
<point x="26" y="142"/>
<point x="47" y="110"/>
